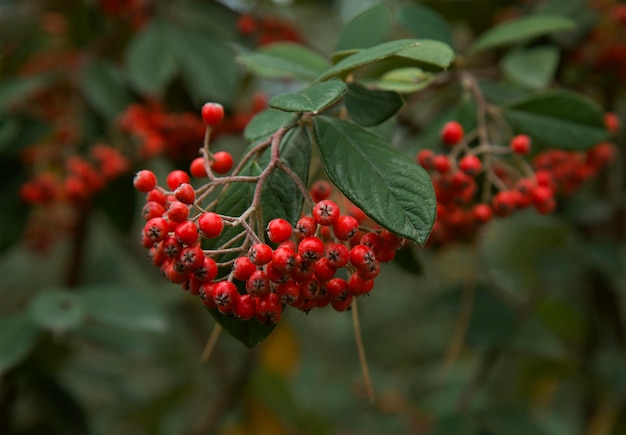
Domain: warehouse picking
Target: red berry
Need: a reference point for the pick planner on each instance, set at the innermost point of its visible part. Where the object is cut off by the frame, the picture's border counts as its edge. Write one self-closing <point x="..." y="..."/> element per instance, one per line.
<point x="279" y="230"/>
<point x="426" y="159"/>
<point x="156" y="229"/>
<point x="206" y="293"/>
<point x="346" y="227"/>
<point x="197" y="168"/>
<point x="171" y="247"/>
<point x="260" y="254"/>
<point x="611" y="122"/>
<point x="269" y="309"/>
<point x="342" y="305"/>
<point x="145" y="181"/>
<point x="305" y="227"/>
<point x="324" y="270"/>
<point x="192" y="258"/>
<point x="521" y="144"/>
<point x="178" y="212"/>
<point x="359" y="286"/>
<point x="337" y="289"/>
<point x="258" y="283"/>
<point x="207" y="271"/>
<point x="325" y="212"/>
<point x="187" y="233"/>
<point x="245" y="307"/>
<point x="222" y="162"/>
<point x="152" y="209"/>
<point x="210" y="224"/>
<point x="320" y="190"/>
<point x="442" y="163"/>
<point x="371" y="272"/>
<point x="311" y="249"/>
<point x="157" y="195"/>
<point x="504" y="203"/>
<point x="275" y="275"/>
<point x="471" y="165"/>
<point x="451" y="133"/>
<point x="373" y="241"/>
<point x="288" y="292"/>
<point x="212" y="114"/>
<point x="362" y="256"/>
<point x="225" y="296"/>
<point x="482" y="213"/>
<point x="176" y="178"/>
<point x="243" y="268"/>
<point x="246" y="24"/>
<point x="284" y="260"/>
<point x="185" y="193"/>
<point x="338" y="255"/>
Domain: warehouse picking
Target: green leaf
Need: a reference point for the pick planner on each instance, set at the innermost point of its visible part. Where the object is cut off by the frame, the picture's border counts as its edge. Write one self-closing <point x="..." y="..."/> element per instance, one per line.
<point x="151" y="57"/>
<point x="208" y="66"/>
<point x="371" y="107"/>
<point x="404" y="80"/>
<point x="18" y="336"/>
<point x="532" y="68"/>
<point x="104" y="88"/>
<point x="520" y="30"/>
<point x="560" y="119"/>
<point x="265" y="123"/>
<point x="366" y="29"/>
<point x="424" y="22"/>
<point x="429" y="52"/>
<point x="314" y="99"/>
<point x="501" y="93"/>
<point x="387" y="185"/>
<point x="285" y="60"/>
<point x="18" y="89"/>
<point x="57" y="310"/>
<point x="118" y="202"/>
<point x="122" y="307"/>
<point x="366" y="56"/>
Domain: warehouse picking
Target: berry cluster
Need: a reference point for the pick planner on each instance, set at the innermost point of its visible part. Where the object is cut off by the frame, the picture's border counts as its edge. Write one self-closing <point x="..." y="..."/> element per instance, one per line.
<point x="474" y="183"/>
<point x="326" y="258"/>
<point x="267" y="30"/>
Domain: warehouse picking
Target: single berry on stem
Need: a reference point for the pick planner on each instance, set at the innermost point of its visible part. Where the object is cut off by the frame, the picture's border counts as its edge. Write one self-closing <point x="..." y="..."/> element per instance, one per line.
<point x="451" y="133"/>
<point x="212" y="114"/>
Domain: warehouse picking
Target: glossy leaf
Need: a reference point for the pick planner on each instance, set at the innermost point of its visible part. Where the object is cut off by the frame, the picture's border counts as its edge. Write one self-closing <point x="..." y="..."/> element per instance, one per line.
<point x="366" y="56"/>
<point x="57" y="310"/>
<point x="18" y="336"/>
<point x="404" y="80"/>
<point x="533" y="68"/>
<point x="424" y="22"/>
<point x="122" y="308"/>
<point x="366" y="29"/>
<point x="561" y="119"/>
<point x="151" y="57"/>
<point x="314" y="99"/>
<point x="265" y="123"/>
<point x="520" y="30"/>
<point x="208" y="66"/>
<point x="370" y="107"/>
<point x="389" y="186"/>
<point x="285" y="60"/>
<point x="429" y="52"/>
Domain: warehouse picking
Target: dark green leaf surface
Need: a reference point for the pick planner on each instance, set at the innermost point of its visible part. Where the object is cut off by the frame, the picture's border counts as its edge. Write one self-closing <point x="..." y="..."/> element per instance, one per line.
<point x="366" y="29"/>
<point x="18" y="336"/>
<point x="390" y="187"/>
<point x="371" y="107"/>
<point x="366" y="56"/>
<point x="57" y="310"/>
<point x="151" y="57"/>
<point x="103" y="86"/>
<point x="561" y="119"/>
<point x="285" y="60"/>
<point x="520" y="30"/>
<point x="18" y="89"/>
<point x="533" y="68"/>
<point x="314" y="99"/>
<point x="404" y="80"/>
<point x="265" y="123"/>
<point x="429" y="52"/>
<point x="122" y="308"/>
<point x="424" y="22"/>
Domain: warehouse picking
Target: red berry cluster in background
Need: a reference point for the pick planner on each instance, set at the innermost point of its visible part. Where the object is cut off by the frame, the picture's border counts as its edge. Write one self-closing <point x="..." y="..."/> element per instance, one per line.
<point x="266" y="30"/>
<point x="473" y="184"/>
<point x="325" y="259"/>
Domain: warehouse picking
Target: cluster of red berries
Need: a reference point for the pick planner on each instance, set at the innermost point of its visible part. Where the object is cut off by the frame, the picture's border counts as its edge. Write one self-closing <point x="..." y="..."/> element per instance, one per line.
<point x="470" y="191"/>
<point x="267" y="30"/>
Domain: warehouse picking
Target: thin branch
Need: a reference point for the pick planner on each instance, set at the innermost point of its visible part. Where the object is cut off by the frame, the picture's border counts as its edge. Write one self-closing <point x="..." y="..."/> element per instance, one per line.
<point x="361" y="350"/>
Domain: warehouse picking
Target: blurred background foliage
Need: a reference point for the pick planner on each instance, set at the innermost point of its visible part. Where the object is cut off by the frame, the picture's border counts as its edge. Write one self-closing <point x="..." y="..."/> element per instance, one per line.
<point x="520" y="332"/>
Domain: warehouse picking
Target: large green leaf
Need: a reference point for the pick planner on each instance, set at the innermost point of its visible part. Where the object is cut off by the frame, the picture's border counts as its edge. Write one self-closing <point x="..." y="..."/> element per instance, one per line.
<point x="424" y="22"/>
<point x="314" y="99"/>
<point x="520" y="30"/>
<point x="57" y="310"/>
<point x="15" y="90"/>
<point x="366" y="29"/>
<point x="123" y="308"/>
<point x="366" y="56"/>
<point x="389" y="186"/>
<point x="560" y="119"/>
<point x="429" y="52"/>
<point x="18" y="336"/>
<point x="151" y="57"/>
<point x="103" y="86"/>
<point x="285" y="60"/>
<point x="208" y="66"/>
<point x="533" y="68"/>
<point x="265" y="123"/>
<point x="371" y="107"/>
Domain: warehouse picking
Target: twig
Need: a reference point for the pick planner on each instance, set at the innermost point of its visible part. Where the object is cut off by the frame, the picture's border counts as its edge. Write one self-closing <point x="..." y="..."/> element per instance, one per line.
<point x="211" y="342"/>
<point x="361" y="350"/>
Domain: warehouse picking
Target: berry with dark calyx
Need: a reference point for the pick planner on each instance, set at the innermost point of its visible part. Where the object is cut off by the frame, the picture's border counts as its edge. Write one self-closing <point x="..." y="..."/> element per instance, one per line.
<point x="245" y="307"/>
<point x="504" y="203"/>
<point x="187" y="233"/>
<point x="342" y="305"/>
<point x="471" y="165"/>
<point x="156" y="229"/>
<point x="283" y="260"/>
<point x="152" y="209"/>
<point x="176" y="178"/>
<point x="324" y="270"/>
<point x="442" y="163"/>
<point x="185" y="193"/>
<point x="521" y="144"/>
<point x="311" y="249"/>
<point x="325" y="212"/>
<point x="346" y="227"/>
<point x="305" y="227"/>
<point x="373" y="241"/>
<point x="207" y="271"/>
<point x="337" y="289"/>
<point x="206" y="294"/>
<point x="275" y="275"/>
<point x="158" y="196"/>
<point x="258" y="283"/>
<point x="451" y="133"/>
<point x="210" y="225"/>
<point x="197" y="168"/>
<point x="482" y="213"/>
<point x="269" y="309"/>
<point x="212" y="113"/>
<point x="192" y="258"/>
<point x="320" y="190"/>
<point x="279" y="230"/>
<point x="338" y="255"/>
<point x="359" y="286"/>
<point x="225" y="296"/>
<point x="426" y="159"/>
<point x="178" y="212"/>
<point x="260" y="254"/>
<point x="362" y="257"/>
<point x="303" y="270"/>
<point x="288" y="292"/>
<point x="145" y="181"/>
<point x="222" y="162"/>
<point x="371" y="272"/>
<point x="243" y="268"/>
